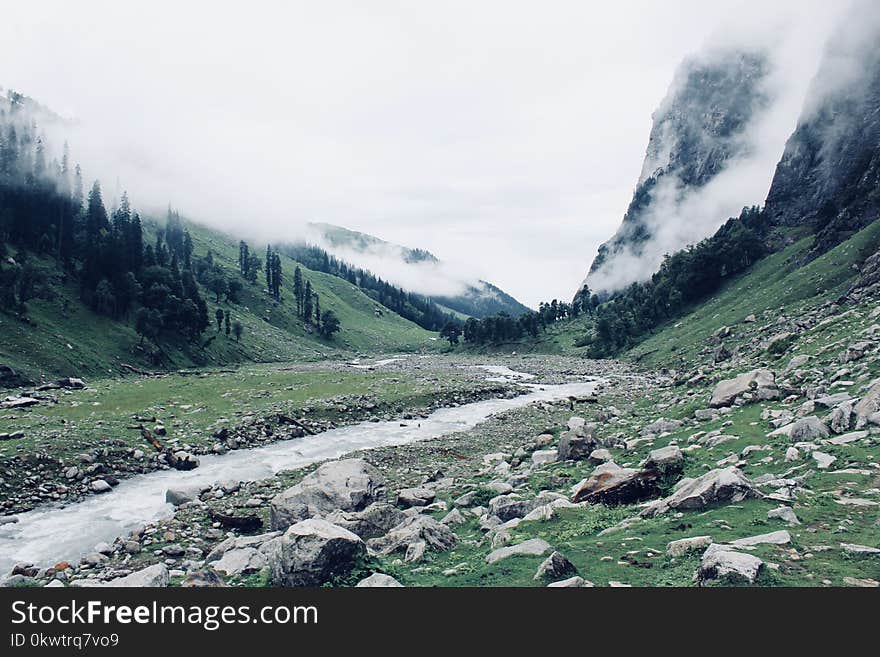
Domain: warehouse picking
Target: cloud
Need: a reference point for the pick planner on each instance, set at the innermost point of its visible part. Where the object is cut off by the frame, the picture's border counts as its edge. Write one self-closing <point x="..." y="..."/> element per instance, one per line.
<point x="503" y="137"/>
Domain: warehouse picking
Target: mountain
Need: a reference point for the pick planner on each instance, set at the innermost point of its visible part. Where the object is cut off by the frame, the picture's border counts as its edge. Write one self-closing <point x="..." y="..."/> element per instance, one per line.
<point x="416" y="270"/>
<point x="698" y="130"/>
<point x="87" y="292"/>
<point x="829" y="176"/>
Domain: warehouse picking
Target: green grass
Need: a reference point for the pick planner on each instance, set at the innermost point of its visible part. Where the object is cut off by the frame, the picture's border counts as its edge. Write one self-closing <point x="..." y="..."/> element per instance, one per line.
<point x="63" y="337"/>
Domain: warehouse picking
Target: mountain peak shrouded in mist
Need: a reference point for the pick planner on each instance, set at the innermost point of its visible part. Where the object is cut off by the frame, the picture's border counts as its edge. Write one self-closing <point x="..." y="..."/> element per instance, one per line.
<point x="415" y="270"/>
<point x="699" y="131"/>
<point x="829" y="174"/>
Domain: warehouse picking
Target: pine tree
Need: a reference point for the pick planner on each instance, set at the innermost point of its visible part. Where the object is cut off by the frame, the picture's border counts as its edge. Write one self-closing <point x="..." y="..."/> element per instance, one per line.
<point x="307" y="303"/>
<point x="227" y="324"/>
<point x="298" y="290"/>
<point x="218" y="315"/>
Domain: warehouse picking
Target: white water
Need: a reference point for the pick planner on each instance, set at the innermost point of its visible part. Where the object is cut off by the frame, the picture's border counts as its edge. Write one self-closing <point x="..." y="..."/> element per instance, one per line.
<point x="50" y="534"/>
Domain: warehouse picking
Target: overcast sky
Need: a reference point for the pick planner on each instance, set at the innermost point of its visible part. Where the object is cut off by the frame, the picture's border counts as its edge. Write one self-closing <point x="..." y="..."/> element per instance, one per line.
<point x="504" y="136"/>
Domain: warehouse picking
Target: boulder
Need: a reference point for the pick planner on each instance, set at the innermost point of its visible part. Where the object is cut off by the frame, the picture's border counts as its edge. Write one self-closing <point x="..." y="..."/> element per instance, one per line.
<point x="312" y="552"/>
<point x="720" y="562"/>
<point x="668" y="460"/>
<point x="841" y="418"/>
<point x="183" y="460"/>
<point x="100" y="486"/>
<point x="785" y="513"/>
<point x="761" y="383"/>
<point x="544" y="456"/>
<point x="868" y="405"/>
<point x="662" y="425"/>
<point x="376" y="520"/>
<point x="574" y="446"/>
<point x="179" y="496"/>
<point x="72" y="383"/>
<point x="410" y="497"/>
<point x="418" y="528"/>
<point x="378" y="580"/>
<point x="781" y="537"/>
<point x="555" y="567"/>
<point x="348" y="485"/>
<point x="241" y="561"/>
<point x="152" y="576"/>
<point x="684" y="545"/>
<point x="720" y="486"/>
<point x="807" y="429"/>
<point x="202" y="578"/>
<point x="611" y="484"/>
<point x="508" y="507"/>
<point x="575" y="582"/>
<point x="531" y="547"/>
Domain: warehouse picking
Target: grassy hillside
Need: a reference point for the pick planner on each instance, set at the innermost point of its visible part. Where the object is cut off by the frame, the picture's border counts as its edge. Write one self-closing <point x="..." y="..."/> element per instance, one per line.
<point x="61" y="336"/>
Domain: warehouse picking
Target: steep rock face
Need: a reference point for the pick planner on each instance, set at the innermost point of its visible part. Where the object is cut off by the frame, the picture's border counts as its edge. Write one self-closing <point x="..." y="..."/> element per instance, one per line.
<point x="698" y="129"/>
<point x="829" y="175"/>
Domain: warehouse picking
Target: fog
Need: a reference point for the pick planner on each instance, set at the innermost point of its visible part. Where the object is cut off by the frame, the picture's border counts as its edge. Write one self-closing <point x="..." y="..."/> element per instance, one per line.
<point x="505" y="138"/>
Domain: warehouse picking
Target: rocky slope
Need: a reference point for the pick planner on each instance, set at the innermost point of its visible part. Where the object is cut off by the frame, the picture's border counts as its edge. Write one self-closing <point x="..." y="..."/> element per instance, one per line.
<point x="829" y="175"/>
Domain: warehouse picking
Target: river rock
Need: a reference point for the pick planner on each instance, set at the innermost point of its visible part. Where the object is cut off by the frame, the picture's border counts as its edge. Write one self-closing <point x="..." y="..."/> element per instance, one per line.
<point x="100" y="486"/>
<point x="179" y="496"/>
<point x="378" y="580"/>
<point x="313" y="551"/>
<point x="202" y="578"/>
<point x="154" y="576"/>
<point x="761" y="383"/>
<point x="347" y="485"/>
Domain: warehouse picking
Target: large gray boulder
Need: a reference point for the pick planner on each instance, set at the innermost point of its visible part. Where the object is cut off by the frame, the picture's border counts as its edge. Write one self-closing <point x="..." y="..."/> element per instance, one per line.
<point x="720" y="562"/>
<point x="808" y="429"/>
<point x="761" y="383"/>
<point x="508" y="507"/>
<point x="154" y="576"/>
<point x="348" y="485"/>
<point x="414" y="530"/>
<point x="720" y="486"/>
<point x="868" y="405"/>
<point x="611" y="484"/>
<point x="378" y="580"/>
<point x="312" y="552"/>
<point x="241" y="561"/>
<point x="555" y="567"/>
<point x="531" y="547"/>
<point x="376" y="520"/>
<point x="576" y="445"/>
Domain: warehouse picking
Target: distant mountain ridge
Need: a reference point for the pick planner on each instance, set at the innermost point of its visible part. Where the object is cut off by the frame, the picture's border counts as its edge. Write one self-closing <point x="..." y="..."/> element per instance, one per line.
<point x="412" y="268"/>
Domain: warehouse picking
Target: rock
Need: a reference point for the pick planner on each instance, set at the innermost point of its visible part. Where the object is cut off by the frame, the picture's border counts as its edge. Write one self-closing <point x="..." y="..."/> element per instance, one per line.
<point x="863" y="583"/>
<point x="720" y="562"/>
<point x="8" y="520"/>
<point x="242" y="561"/>
<point x="312" y="552"/>
<point x="419" y="528"/>
<point x="847" y="438"/>
<point x="661" y="426"/>
<point x="508" y="507"/>
<point x="720" y="354"/>
<point x="152" y="576"/>
<point x="668" y="460"/>
<point x="684" y="545"/>
<point x="544" y="456"/>
<point x="160" y="430"/>
<point x="808" y="429"/>
<point x="555" y="567"/>
<point x="611" y="484"/>
<point x="761" y="383"/>
<point x="574" y="446"/>
<point x="868" y="405"/>
<point x="576" y="423"/>
<point x="600" y="456"/>
<point x="378" y="580"/>
<point x="100" y="486"/>
<point x="823" y="460"/>
<point x="832" y="401"/>
<point x="715" y="487"/>
<point x="179" y="496"/>
<point x="72" y="383"/>
<point x="202" y="578"/>
<point x="454" y="517"/>
<point x="575" y="582"/>
<point x="785" y="513"/>
<point x="19" y="402"/>
<point x="532" y="547"/>
<point x="853" y="548"/>
<point x="183" y="460"/>
<point x="348" y="485"/>
<point x="797" y="362"/>
<point x="781" y="537"/>
<point x="410" y="497"/>
<point x="792" y="454"/>
<point x="376" y="520"/>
